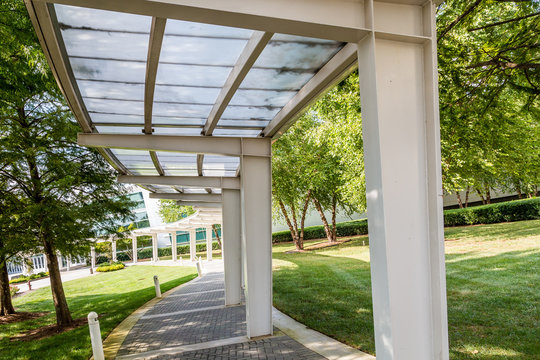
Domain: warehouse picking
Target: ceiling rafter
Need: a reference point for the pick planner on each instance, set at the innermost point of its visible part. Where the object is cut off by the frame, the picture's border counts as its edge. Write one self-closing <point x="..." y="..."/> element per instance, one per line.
<point x="187" y="197"/>
<point x="332" y="72"/>
<point x="247" y="58"/>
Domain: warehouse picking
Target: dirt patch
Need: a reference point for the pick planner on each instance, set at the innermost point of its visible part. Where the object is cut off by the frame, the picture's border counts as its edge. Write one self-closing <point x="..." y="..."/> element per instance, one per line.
<point x="20" y="316"/>
<point x="48" y="330"/>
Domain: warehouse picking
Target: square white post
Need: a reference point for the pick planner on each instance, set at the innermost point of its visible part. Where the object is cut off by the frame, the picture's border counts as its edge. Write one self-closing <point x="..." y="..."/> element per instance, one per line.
<point x="155" y="256"/>
<point x="173" y="246"/>
<point x="113" y="247"/>
<point x="400" y="120"/>
<point x="231" y="240"/>
<point x="68" y="263"/>
<point x="256" y="200"/>
<point x="93" y="257"/>
<point x="134" y="248"/>
<point x="209" y="243"/>
<point x="192" y="244"/>
<point x="45" y="262"/>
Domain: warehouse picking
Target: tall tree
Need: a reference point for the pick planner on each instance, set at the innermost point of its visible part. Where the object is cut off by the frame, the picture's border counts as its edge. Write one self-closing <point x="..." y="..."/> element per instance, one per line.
<point x="169" y="211"/>
<point x="65" y="192"/>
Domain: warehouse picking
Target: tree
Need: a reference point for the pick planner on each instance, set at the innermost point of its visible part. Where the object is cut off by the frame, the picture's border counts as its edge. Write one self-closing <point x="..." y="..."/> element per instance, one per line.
<point x="66" y="194"/>
<point x="169" y="211"/>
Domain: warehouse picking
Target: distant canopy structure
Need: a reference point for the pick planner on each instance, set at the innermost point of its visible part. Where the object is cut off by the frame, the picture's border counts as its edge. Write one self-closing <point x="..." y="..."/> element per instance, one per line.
<point x="184" y="97"/>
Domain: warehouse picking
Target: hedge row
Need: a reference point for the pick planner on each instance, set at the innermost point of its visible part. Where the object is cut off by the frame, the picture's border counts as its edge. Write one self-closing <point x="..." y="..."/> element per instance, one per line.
<point x="110" y="267"/>
<point x="517" y="210"/>
<point x="23" y="278"/>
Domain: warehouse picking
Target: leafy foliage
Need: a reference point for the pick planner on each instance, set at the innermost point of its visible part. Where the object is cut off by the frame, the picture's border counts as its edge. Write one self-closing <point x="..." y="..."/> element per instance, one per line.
<point x="171" y="212"/>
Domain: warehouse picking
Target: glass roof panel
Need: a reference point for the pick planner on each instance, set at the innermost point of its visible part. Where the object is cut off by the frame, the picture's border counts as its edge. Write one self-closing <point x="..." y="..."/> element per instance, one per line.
<point x="165" y="120"/>
<point x="216" y="165"/>
<point x="275" y="79"/>
<point x="146" y="171"/>
<point x="250" y="112"/>
<point x="192" y="75"/>
<point x="188" y="28"/>
<point x="186" y="95"/>
<point x="181" y="110"/>
<point x="242" y="123"/>
<point x="117" y="118"/>
<point x="165" y="189"/>
<point x="73" y="16"/>
<point x="110" y="90"/>
<point x="119" y="129"/>
<point x="114" y="106"/>
<point x="109" y="70"/>
<point x="262" y="97"/>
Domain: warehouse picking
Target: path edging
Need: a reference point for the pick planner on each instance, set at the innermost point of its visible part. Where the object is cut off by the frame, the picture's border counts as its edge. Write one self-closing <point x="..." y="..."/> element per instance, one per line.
<point x="315" y="341"/>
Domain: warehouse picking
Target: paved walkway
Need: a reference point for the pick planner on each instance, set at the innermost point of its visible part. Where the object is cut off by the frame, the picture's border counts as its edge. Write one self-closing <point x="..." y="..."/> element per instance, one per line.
<point x="192" y="323"/>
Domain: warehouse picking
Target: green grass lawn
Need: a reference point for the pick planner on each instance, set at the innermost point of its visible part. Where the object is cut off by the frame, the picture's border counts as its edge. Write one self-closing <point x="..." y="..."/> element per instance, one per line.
<point x="113" y="295"/>
<point x="493" y="287"/>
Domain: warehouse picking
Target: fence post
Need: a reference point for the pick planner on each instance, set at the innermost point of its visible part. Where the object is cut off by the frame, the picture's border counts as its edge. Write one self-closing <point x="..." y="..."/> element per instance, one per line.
<point x="95" y="336"/>
<point x="158" y="289"/>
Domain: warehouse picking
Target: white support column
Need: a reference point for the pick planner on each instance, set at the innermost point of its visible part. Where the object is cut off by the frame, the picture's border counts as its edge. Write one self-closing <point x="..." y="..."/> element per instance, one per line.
<point x="45" y="265"/>
<point x="192" y="244"/>
<point x="173" y="246"/>
<point x="134" y="248"/>
<point x="59" y="259"/>
<point x="155" y="256"/>
<point x="256" y="205"/>
<point x="93" y="257"/>
<point x="209" y="243"/>
<point x="231" y="241"/>
<point x="68" y="263"/>
<point x="113" y="249"/>
<point x="398" y="87"/>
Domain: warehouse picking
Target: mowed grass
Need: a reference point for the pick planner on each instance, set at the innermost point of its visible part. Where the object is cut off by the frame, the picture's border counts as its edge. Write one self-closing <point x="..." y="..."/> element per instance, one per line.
<point x="493" y="288"/>
<point x="112" y="295"/>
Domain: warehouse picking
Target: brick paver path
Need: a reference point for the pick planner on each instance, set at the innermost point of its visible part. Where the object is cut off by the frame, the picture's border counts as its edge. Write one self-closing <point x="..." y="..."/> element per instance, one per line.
<point x="191" y="323"/>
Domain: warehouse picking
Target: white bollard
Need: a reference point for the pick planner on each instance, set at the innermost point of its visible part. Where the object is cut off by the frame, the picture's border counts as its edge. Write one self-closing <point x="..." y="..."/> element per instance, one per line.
<point x="95" y="336"/>
<point x="158" y="289"/>
<point x="199" y="267"/>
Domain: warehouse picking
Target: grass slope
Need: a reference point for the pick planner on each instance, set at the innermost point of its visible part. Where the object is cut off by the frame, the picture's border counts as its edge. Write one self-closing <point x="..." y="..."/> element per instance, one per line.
<point x="113" y="295"/>
<point x="492" y="284"/>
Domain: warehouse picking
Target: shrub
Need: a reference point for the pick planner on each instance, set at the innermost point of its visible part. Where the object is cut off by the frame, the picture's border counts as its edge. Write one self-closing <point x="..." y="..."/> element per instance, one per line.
<point x="23" y="278"/>
<point x="13" y="290"/>
<point x="348" y="228"/>
<point x="517" y="210"/>
<point x="110" y="267"/>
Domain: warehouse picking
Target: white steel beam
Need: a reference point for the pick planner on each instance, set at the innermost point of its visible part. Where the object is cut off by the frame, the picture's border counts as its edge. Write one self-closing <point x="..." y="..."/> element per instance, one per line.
<point x="187" y="197"/>
<point x="256" y="197"/>
<point x="184" y="181"/>
<point x="230" y="146"/>
<point x="157" y="30"/>
<point x="332" y="72"/>
<point x="340" y="20"/>
<point x="247" y="58"/>
<point x="200" y="204"/>
<point x="400" y="121"/>
<point x="231" y="234"/>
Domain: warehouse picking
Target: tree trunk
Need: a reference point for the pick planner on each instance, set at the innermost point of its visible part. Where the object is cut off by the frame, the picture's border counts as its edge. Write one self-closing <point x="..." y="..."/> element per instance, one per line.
<point x="467" y="196"/>
<point x="323" y="219"/>
<point x="63" y="316"/>
<point x="458" y="196"/>
<point x="518" y="190"/>
<point x="294" y="233"/>
<point x="481" y="196"/>
<point x="6" y="306"/>
<point x="217" y="235"/>
<point x="303" y="218"/>
<point x="488" y="195"/>
<point x="334" y="232"/>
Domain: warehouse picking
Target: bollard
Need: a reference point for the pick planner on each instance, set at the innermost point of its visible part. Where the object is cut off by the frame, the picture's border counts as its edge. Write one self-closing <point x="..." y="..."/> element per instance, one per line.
<point x="199" y="267"/>
<point x="95" y="336"/>
<point x="158" y="289"/>
<point x="29" y="285"/>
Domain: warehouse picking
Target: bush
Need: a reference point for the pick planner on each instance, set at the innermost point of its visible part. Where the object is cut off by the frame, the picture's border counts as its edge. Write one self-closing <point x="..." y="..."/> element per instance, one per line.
<point x="517" y="210"/>
<point x="110" y="267"/>
<point x="23" y="278"/>
<point x="348" y="228"/>
<point x="13" y="290"/>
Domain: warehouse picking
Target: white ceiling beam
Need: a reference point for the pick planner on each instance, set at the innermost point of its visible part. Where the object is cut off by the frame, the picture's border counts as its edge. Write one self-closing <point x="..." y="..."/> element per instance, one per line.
<point x="341" y="20"/>
<point x="157" y="30"/>
<point x="199" y="204"/>
<point x="231" y="146"/>
<point x="332" y="72"/>
<point x="247" y="58"/>
<point x="187" y="197"/>
<point x="184" y="181"/>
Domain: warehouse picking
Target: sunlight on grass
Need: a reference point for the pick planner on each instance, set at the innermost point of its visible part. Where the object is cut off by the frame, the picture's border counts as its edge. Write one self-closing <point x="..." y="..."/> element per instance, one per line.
<point x="492" y="289"/>
<point x="112" y="295"/>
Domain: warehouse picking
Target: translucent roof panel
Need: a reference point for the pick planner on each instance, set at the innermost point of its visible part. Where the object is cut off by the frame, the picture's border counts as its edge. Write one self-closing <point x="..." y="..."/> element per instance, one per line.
<point x="165" y="189"/>
<point x="215" y="165"/>
<point x="137" y="161"/>
<point x="178" y="164"/>
<point x="107" y="51"/>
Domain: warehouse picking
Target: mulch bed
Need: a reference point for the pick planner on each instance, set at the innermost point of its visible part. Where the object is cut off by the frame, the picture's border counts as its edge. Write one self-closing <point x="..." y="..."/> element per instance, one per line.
<point x="48" y="330"/>
<point x="20" y="316"/>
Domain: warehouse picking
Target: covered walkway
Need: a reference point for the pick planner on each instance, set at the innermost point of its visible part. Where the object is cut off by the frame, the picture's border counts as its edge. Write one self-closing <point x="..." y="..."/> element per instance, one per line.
<point x="192" y="322"/>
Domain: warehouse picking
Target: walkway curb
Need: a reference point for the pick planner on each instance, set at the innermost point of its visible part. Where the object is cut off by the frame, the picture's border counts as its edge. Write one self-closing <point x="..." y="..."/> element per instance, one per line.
<point x="315" y="341"/>
<point x="114" y="341"/>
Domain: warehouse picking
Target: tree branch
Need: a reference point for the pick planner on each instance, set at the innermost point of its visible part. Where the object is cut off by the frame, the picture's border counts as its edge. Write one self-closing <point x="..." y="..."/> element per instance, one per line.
<point x="504" y="22"/>
<point x="458" y="20"/>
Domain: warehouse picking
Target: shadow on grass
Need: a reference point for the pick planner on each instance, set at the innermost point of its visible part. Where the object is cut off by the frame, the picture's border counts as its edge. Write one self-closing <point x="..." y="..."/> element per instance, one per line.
<point x="75" y="344"/>
<point x="492" y="301"/>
